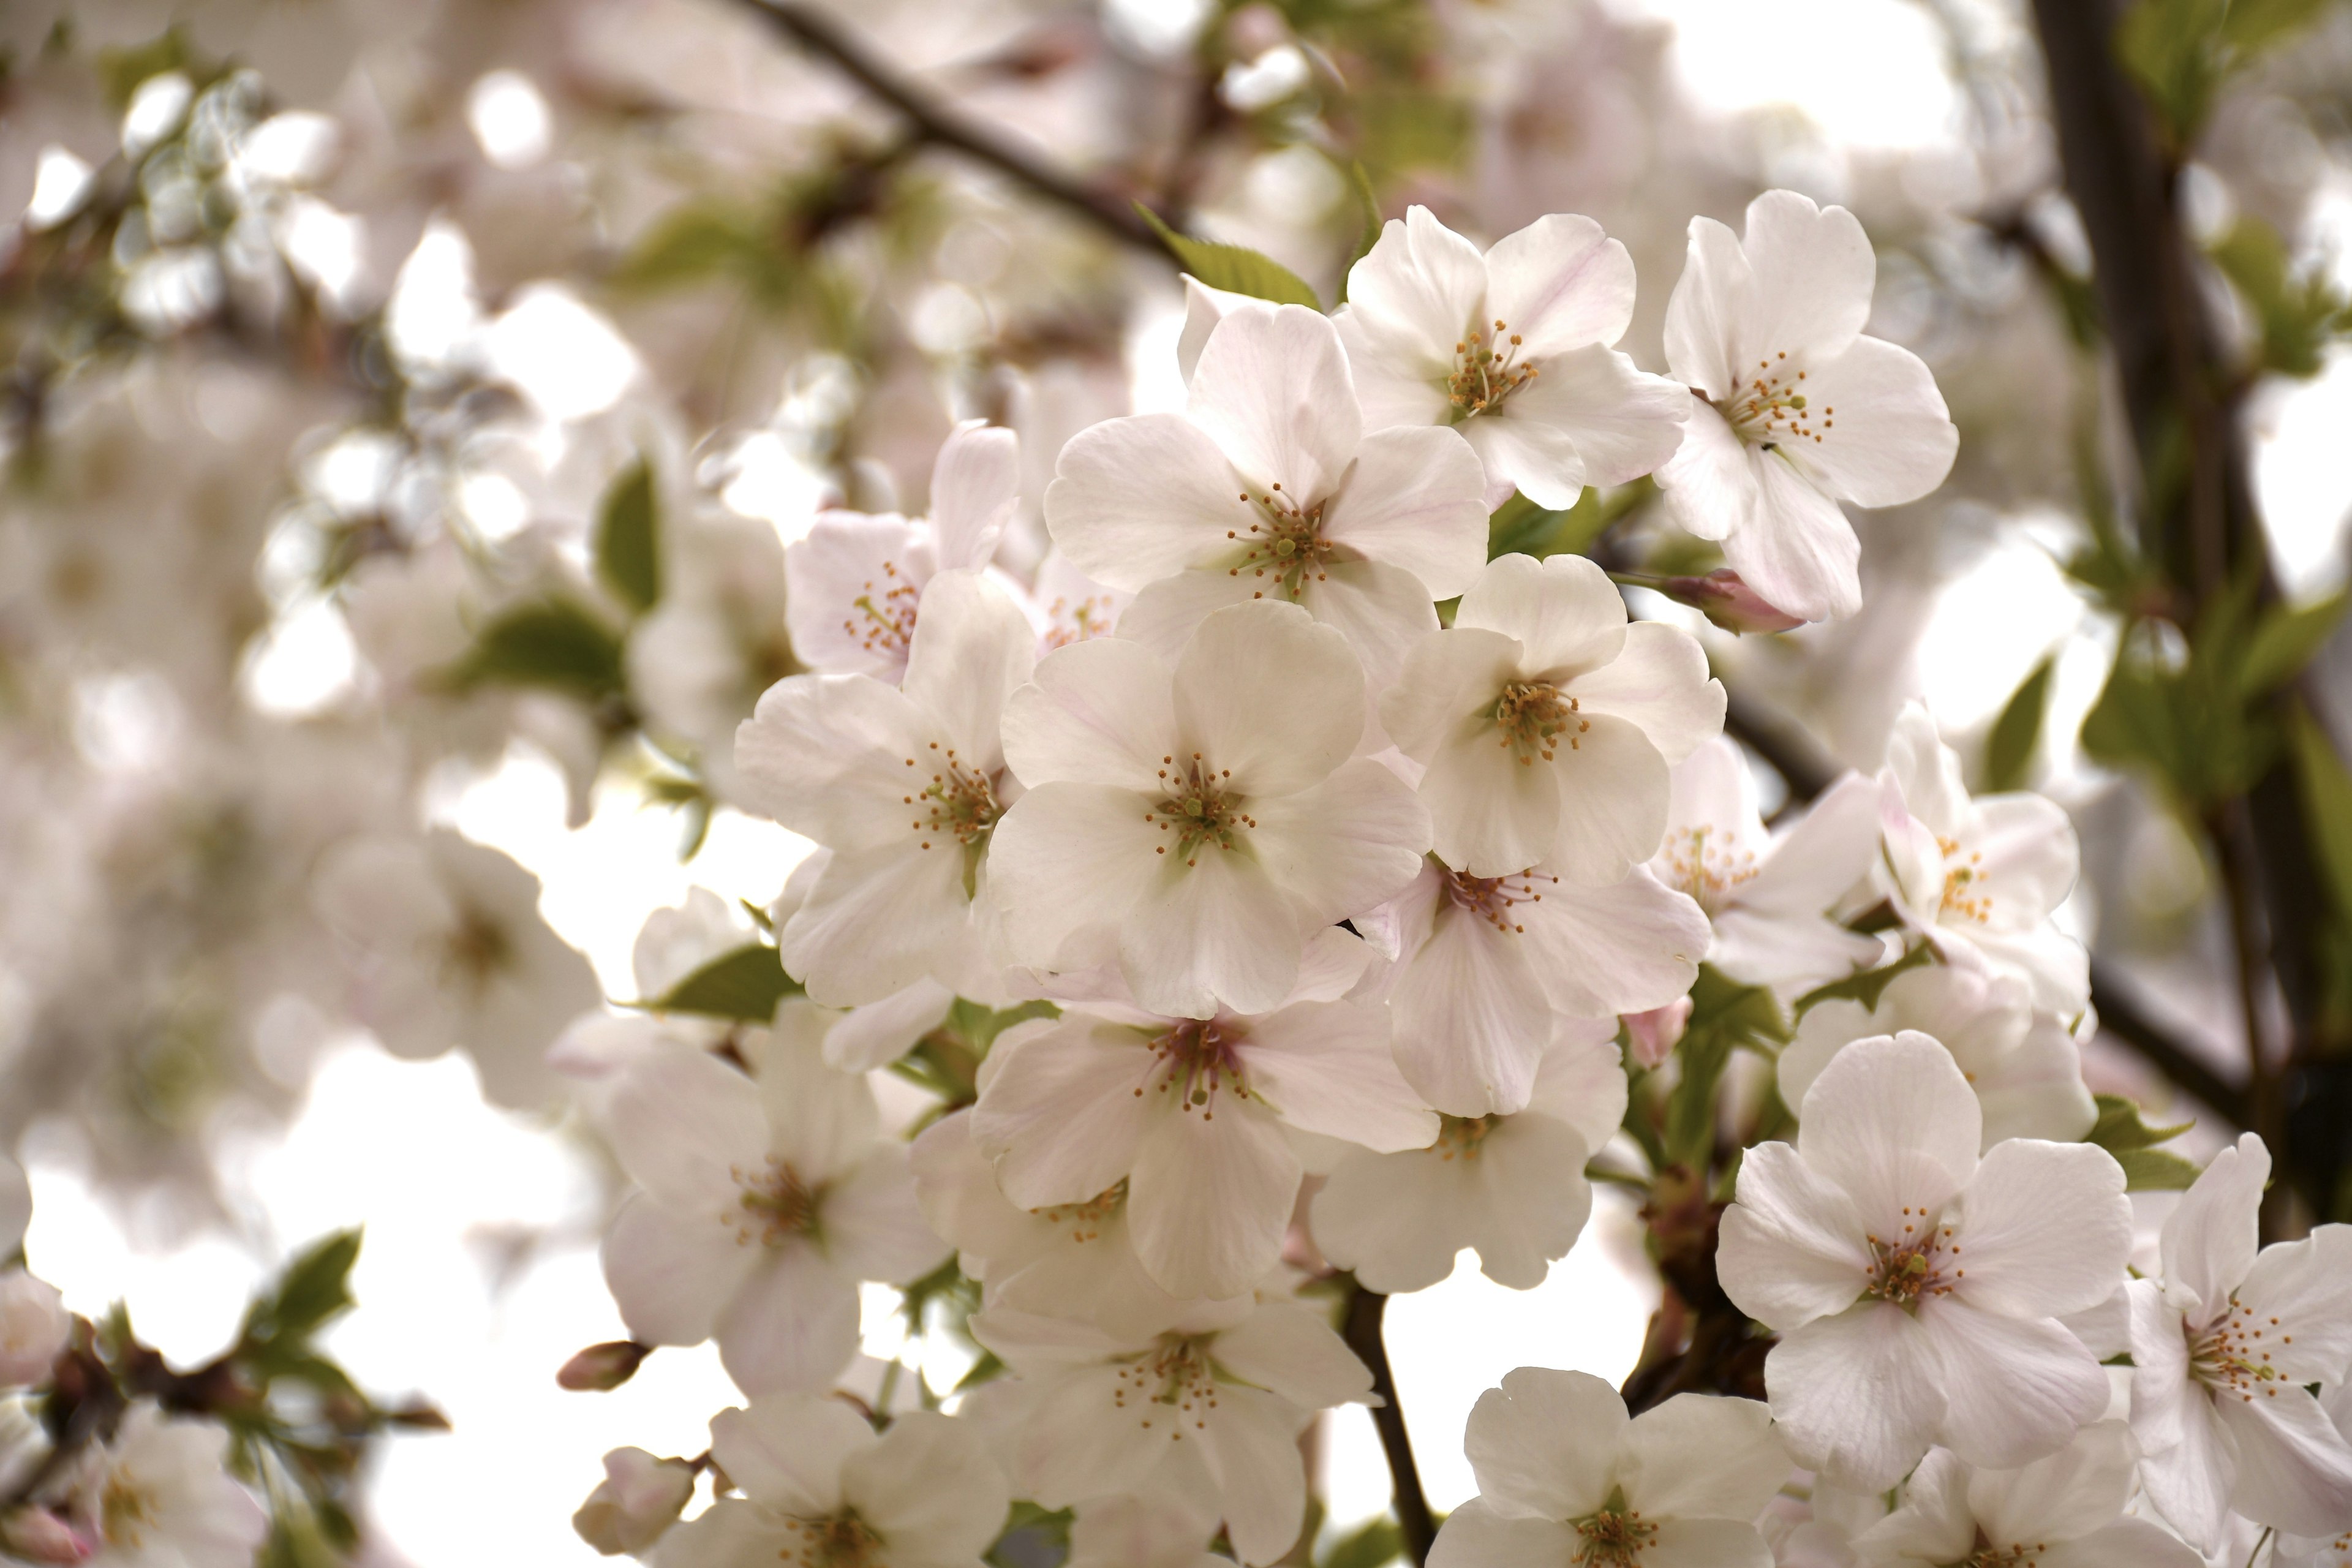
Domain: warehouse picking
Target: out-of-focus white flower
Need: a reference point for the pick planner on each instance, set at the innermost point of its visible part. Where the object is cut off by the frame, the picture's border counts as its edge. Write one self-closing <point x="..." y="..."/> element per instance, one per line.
<point x="821" y="1488"/>
<point x="1190" y="1115"/>
<point x="1267" y="488"/>
<point x="1512" y="1186"/>
<point x="2065" y="1510"/>
<point x="1564" y="1476"/>
<point x="1917" y="1288"/>
<point x="1512" y="348"/>
<point x="765" y="1201"/>
<point x="903" y="786"/>
<point x="160" y="1496"/>
<point x="2225" y="1343"/>
<point x="1150" y="1529"/>
<point x="2024" y="1066"/>
<point x="33" y="1329"/>
<point x="639" y="1499"/>
<point x="1196" y="824"/>
<point x="1547" y="724"/>
<point x="700" y="659"/>
<point x="1797" y="410"/>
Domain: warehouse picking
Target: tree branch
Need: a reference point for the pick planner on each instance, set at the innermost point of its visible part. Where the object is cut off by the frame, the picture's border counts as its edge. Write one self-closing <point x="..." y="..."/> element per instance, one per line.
<point x="1365" y="1309"/>
<point x="934" y="123"/>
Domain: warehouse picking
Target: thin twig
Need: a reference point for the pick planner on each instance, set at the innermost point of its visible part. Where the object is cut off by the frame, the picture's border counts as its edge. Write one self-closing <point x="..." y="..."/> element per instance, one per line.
<point x="936" y="123"/>
<point x="1414" y="1522"/>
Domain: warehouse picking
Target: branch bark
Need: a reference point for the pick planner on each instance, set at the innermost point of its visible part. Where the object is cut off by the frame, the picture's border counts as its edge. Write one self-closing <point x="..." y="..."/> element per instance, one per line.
<point x="1365" y="1310"/>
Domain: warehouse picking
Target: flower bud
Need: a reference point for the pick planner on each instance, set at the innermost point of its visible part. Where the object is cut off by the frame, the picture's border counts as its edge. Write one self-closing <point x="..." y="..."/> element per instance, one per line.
<point x="36" y="1535"/>
<point x="639" y="1497"/>
<point x="1655" y="1033"/>
<point x="33" y="1329"/>
<point x="1730" y="603"/>
<point x="599" y="1368"/>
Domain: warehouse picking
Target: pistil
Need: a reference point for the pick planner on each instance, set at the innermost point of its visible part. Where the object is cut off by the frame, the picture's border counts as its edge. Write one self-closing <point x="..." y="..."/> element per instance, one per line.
<point x="1486" y="372"/>
<point x="1199" y="808"/>
<point x="1533" y="715"/>
<point x="1284" y="541"/>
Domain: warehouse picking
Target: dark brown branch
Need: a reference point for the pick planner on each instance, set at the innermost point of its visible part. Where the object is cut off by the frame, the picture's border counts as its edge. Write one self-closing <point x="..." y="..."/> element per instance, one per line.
<point x="936" y="123"/>
<point x="1363" y="1335"/>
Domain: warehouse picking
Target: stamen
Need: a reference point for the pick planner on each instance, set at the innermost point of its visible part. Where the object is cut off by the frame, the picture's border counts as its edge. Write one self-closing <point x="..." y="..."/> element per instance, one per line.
<point x="1486" y="372"/>
<point x="772" y="1205"/>
<point x="884" y="621"/>
<point x="1199" y="1060"/>
<point x="1533" y="715"/>
<point x="1706" y="863"/>
<point x="1492" y="899"/>
<point x="1199" y="809"/>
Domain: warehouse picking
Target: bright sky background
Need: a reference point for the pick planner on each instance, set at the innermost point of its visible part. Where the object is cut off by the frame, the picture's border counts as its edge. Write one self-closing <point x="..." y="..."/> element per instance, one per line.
<point x="445" y="1186"/>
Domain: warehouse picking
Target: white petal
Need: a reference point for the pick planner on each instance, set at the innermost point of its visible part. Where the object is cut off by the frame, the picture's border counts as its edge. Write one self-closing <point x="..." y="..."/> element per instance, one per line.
<point x="1340" y="848"/>
<point x="679" y="1121"/>
<point x="1711" y="493"/>
<point x="1251" y="1443"/>
<point x="828" y="755"/>
<point x="1708" y="1543"/>
<point x="1859" y="1396"/>
<point x="2080" y="1489"/>
<point x="2023" y="846"/>
<point x="1326" y="1066"/>
<point x="2160" y="1353"/>
<point x="1891" y="1120"/>
<point x="1446" y="691"/>
<point x="1534" y="456"/>
<point x="929" y="1489"/>
<point x="1623" y="948"/>
<point x="1213" y="930"/>
<point x="1560" y="284"/>
<point x="1797" y="549"/>
<point x="786" y="1452"/>
<point x="1395" y="1220"/>
<point x="1564" y="611"/>
<point x="2190" y="1480"/>
<point x="1420" y="284"/>
<point x="1399" y="378"/>
<point x="1060" y="1118"/>
<point x="2126" y="1544"/>
<point x="1272" y="390"/>
<point x="792" y="1328"/>
<point x="880" y="1033"/>
<point x="1791" y="1249"/>
<point x="1705" y="310"/>
<point x="2015" y="1388"/>
<point x="1272" y="701"/>
<point x="2295" y="1468"/>
<point x="1383" y="611"/>
<point x="1490" y="813"/>
<point x="972" y="652"/>
<point x="1619" y="422"/>
<point x="1545" y="1443"/>
<point x="851" y="586"/>
<point x="1885" y="436"/>
<point x="1292" y="1351"/>
<point x="873" y="1228"/>
<point x="1934" y="1524"/>
<point x="1612" y="785"/>
<point x="1478" y="1535"/>
<point x="1659" y="683"/>
<point x="1527" y="1198"/>
<point x="731" y="1533"/>
<point x="2306" y="1288"/>
<point x="1096" y="713"/>
<point x="1066" y="865"/>
<point x="1583" y="1079"/>
<point x="671" y="1271"/>
<point x="1208" y="1199"/>
<point x="1415" y="500"/>
<point x="1471" y="1016"/>
<point x="1203" y="308"/>
<point x="1813" y="271"/>
<point x="2208" y="1243"/>
<point x="1703" y="1456"/>
<point x="2044" y="1230"/>
<point x="975" y="482"/>
<point x="1137" y="498"/>
<point x="2036" y="1090"/>
<point x="879" y="919"/>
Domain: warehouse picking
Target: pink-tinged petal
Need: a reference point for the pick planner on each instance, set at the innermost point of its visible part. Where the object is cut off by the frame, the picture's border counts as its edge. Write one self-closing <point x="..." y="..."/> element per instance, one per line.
<point x="1660" y="682"/>
<point x="1934" y="1524"/>
<point x="1795" y="952"/>
<point x="1560" y="284"/>
<point x="1814" y="270"/>
<point x="731" y="1533"/>
<point x="1703" y="1456"/>
<point x="1397" y="1220"/>
<point x="828" y="755"/>
<point x="1612" y="785"/>
<point x="1062" y="1451"/>
<point x="1894" y="1122"/>
<point x="1711" y="491"/>
<point x="1623" y="421"/>
<point x="1858" y="1397"/>
<point x="786" y="1452"/>
<point x="1704" y="314"/>
<point x="1326" y="1067"/>
<point x="1166" y="613"/>
<point x="2208" y="1243"/>
<point x="2044" y="1230"/>
<point x="1479" y="1535"/>
<point x="975" y="481"/>
<point x="930" y="1488"/>
<point x="2080" y="1489"/>
<point x="1383" y="611"/>
<point x="1623" y="948"/>
<point x="881" y="1032"/>
<point x="1545" y="1443"/>
<point x="2190" y="1479"/>
<point x="1331" y="965"/>
<point x="1292" y="1351"/>
<point x="1706" y="1543"/>
<point x="1537" y="457"/>
<point x="821" y="1121"/>
<point x="1271" y="700"/>
<point x="1203" y="308"/>
<point x="1210" y="1195"/>
<point x="851" y="586"/>
<point x="1419" y="286"/>
<point x="2024" y="848"/>
<point x="1797" y="549"/>
<point x="1251" y="1443"/>
<point x="2303" y="1290"/>
<point x="1491" y="814"/>
<point x="1094" y="712"/>
<point x="878" y="920"/>
<point x="1791" y="1249"/>
<point x="1060" y="1118"/>
<point x="1139" y="498"/>
<point x="1447" y="690"/>
<point x="2036" y="1090"/>
<point x="1583" y="1079"/>
<point x="1565" y="612"/>
<point x="680" y="1123"/>
<point x="671" y="1270"/>
<point x="1215" y="931"/>
<point x="2160" y="1353"/>
<point x="792" y="1328"/>
<point x="1343" y="845"/>
<point x="1526" y="1198"/>
<point x="1272" y="390"/>
<point x="1400" y="379"/>
<point x="873" y="1228"/>
<point x="2015" y="1388"/>
<point x="1415" y="500"/>
<point x="1882" y="436"/>
<point x="972" y="652"/>
<point x="2295" y="1468"/>
<point x="1471" y="1016"/>
<point x="1066" y="865"/>
<point x="2126" y="1544"/>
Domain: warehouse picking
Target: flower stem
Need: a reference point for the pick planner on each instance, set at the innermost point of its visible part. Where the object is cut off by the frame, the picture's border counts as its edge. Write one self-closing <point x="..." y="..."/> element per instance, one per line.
<point x="1365" y="1309"/>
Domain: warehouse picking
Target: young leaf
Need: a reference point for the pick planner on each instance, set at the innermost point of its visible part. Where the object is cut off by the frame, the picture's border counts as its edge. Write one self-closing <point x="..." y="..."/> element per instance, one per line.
<point x="1868" y="986"/>
<point x="1236" y="268"/>
<point x="554" y="643"/>
<point x="2155" y="1171"/>
<point x="1377" y="1542"/>
<point x="315" y="1287"/>
<point x="2121" y="1125"/>
<point x="628" y="539"/>
<point x="2017" y="734"/>
<point x="2286" y="640"/>
<point x="744" y="984"/>
<point x="2327" y="790"/>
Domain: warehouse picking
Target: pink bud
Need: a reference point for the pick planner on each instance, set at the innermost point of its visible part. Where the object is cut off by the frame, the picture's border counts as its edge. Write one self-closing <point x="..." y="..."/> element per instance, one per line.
<point x="39" y="1536"/>
<point x="1655" y="1033"/>
<point x="602" y="1367"/>
<point x="639" y="1499"/>
<point x="1730" y="603"/>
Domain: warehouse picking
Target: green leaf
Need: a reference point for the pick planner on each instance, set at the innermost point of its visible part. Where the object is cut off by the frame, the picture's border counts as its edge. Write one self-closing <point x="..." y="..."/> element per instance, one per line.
<point x="2121" y="1125"/>
<point x="1725" y="1015"/>
<point x="744" y="985"/>
<point x="1867" y="986"/>
<point x="1032" y="1535"/>
<point x="1379" y="1542"/>
<point x="2155" y="1171"/>
<point x="628" y="539"/>
<point x="1233" y="268"/>
<point x="2284" y="641"/>
<point x="315" y="1287"/>
<point x="2182" y="51"/>
<point x="977" y="1026"/>
<point x="2327" y="790"/>
<point x="1520" y="527"/>
<point x="2298" y="310"/>
<point x="555" y="644"/>
<point x="2017" y="734"/>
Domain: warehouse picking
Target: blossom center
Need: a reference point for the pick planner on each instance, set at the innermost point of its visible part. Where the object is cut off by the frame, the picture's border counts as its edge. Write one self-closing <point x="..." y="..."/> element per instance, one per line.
<point x="1463" y="1135"/>
<point x="1285" y="539"/>
<point x="1965" y="894"/>
<point x="1492" y="899"/>
<point x="1921" y="1261"/>
<point x="2228" y="1356"/>
<point x="1083" y="619"/>
<point x="959" y="803"/>
<point x="1533" y="715"/>
<point x="126" y="1510"/>
<point x="473" y="952"/>
<point x="774" y="1205"/>
<point x="1084" y="1220"/>
<point x="882" y="617"/>
<point x="1613" y="1537"/>
<point x="1200" y="808"/>
<point x="1167" y="1385"/>
<point x="1199" y="1058"/>
<point x="835" y="1541"/>
<point x="1771" y="408"/>
<point x="1487" y="371"/>
<point x="2016" y="1554"/>
<point x="1707" y="863"/>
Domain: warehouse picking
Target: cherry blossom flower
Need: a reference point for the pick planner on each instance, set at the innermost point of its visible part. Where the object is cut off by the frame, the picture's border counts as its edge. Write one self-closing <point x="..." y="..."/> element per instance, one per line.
<point x="1196" y="824"/>
<point x="854" y="585"/>
<point x="2289" y="1549"/>
<point x="1157" y="1529"/>
<point x="822" y="1490"/>
<point x="2024" y="1066"/>
<point x="1796" y="409"/>
<point x="765" y="1200"/>
<point x="1916" y="1288"/>
<point x="1565" y="1477"/>
<point x="903" y="787"/>
<point x="1768" y="897"/>
<point x="1267" y="488"/>
<point x="639" y="1499"/>
<point x="1979" y="878"/>
<point x="2225" y="1343"/>
<point x="1209" y="1407"/>
<point x="1547" y="724"/>
<point x="159" y="1495"/>
<point x="1511" y="1186"/>
<point x="35" y="1328"/>
<point x="2065" y="1510"/>
<point x="700" y="658"/>
<point x="1190" y="1113"/>
<point x="1485" y="965"/>
<point x="1512" y="348"/>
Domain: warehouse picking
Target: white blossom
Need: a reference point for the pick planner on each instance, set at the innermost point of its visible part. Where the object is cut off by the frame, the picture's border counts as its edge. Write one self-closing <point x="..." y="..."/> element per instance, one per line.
<point x="35" y="1328"/>
<point x="2065" y="1510"/>
<point x="639" y="1499"/>
<point x="159" y="1495"/>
